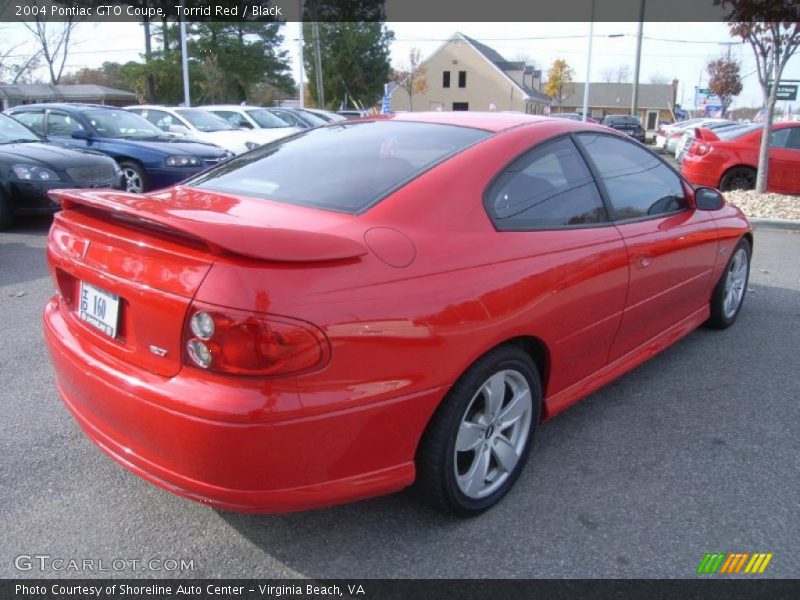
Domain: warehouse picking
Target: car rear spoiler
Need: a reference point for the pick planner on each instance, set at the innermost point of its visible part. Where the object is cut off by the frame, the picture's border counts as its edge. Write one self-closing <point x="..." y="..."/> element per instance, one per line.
<point x="221" y="232"/>
<point x="705" y="135"/>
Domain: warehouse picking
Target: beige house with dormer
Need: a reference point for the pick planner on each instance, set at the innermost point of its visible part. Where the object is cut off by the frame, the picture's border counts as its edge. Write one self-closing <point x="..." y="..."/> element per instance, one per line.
<point x="464" y="74"/>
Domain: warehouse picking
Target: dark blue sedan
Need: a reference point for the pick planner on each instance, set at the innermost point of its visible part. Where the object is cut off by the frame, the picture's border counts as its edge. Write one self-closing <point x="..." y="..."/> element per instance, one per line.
<point x="149" y="158"/>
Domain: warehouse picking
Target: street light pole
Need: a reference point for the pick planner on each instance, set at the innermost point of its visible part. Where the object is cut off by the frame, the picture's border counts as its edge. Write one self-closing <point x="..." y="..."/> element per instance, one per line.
<point x="588" y="67"/>
<point x="635" y="95"/>
<point x="187" y="101"/>
<point x="300" y="52"/>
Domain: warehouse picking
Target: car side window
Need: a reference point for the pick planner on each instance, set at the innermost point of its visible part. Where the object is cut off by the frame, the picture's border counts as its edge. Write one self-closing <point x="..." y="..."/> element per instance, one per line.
<point x="162" y="120"/>
<point x="793" y="143"/>
<point x="61" y="124"/>
<point x="549" y="186"/>
<point x="230" y="116"/>
<point x="33" y="120"/>
<point x="779" y="138"/>
<point x="638" y="184"/>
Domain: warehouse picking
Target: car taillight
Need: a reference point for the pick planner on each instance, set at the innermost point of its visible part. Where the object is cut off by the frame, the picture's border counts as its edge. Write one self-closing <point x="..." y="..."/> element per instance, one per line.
<point x="700" y="148"/>
<point x="244" y="343"/>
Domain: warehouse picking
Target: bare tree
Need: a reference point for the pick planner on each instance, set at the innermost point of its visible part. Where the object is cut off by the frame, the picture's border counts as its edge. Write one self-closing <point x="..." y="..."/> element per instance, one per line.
<point x="621" y="74"/>
<point x="15" y="70"/>
<point x="412" y="77"/>
<point x="54" y="43"/>
<point x="658" y="78"/>
<point x="772" y="28"/>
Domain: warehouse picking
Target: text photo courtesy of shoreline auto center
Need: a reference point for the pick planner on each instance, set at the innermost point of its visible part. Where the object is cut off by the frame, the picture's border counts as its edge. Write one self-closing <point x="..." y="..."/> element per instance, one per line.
<point x="396" y="299"/>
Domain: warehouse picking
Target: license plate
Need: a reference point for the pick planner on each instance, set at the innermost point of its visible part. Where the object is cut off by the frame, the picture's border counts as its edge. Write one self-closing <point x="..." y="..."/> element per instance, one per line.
<point x="99" y="308"/>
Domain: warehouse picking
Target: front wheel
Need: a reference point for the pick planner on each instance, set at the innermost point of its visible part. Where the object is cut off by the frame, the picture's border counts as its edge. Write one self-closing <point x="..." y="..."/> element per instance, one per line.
<point x="728" y="297"/>
<point x="134" y="177"/>
<point x="478" y="441"/>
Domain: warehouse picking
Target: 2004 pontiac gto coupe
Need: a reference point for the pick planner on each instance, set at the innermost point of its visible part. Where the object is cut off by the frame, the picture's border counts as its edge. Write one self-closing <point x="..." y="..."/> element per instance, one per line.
<point x="379" y="303"/>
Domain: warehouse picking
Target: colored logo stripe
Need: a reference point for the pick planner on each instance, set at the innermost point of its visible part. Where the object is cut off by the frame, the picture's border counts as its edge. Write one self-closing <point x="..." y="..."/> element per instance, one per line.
<point x="729" y="563"/>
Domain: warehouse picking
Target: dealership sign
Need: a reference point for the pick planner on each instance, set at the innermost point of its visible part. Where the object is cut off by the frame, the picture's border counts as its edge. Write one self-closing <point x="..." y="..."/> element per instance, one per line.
<point x="785" y="92"/>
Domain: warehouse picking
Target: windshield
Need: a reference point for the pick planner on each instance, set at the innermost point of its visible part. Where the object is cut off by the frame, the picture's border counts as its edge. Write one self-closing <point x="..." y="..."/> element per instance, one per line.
<point x="344" y="167"/>
<point x="13" y="131"/>
<point x="204" y="121"/>
<point x="121" y="124"/>
<point x="266" y="119"/>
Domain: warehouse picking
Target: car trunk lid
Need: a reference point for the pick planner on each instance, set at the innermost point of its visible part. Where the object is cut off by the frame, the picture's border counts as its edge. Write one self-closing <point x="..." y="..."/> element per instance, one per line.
<point x="148" y="255"/>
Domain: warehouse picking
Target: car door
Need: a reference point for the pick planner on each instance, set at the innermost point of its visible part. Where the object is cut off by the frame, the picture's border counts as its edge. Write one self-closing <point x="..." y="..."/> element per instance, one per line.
<point x="548" y="202"/>
<point x="672" y="248"/>
<point x="784" y="160"/>
<point x="33" y="119"/>
<point x="60" y="125"/>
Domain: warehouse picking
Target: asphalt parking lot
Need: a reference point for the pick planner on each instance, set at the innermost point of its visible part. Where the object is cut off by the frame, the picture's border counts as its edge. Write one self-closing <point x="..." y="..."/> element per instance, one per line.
<point x="695" y="451"/>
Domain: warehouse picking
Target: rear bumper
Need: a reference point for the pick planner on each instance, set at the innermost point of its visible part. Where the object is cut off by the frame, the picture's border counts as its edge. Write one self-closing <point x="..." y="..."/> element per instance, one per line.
<point x="259" y="463"/>
<point x="698" y="173"/>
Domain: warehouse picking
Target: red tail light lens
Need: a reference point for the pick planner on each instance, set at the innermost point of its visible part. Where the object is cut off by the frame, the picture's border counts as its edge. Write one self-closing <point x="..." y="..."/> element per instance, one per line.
<point x="700" y="148"/>
<point x="242" y="343"/>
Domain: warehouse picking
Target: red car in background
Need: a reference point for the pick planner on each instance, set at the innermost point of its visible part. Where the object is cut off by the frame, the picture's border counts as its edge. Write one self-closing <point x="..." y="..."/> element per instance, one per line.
<point x="379" y="302"/>
<point x="729" y="160"/>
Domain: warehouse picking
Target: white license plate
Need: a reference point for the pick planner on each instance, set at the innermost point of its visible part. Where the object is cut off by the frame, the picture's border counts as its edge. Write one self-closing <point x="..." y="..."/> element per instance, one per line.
<point x="99" y="308"/>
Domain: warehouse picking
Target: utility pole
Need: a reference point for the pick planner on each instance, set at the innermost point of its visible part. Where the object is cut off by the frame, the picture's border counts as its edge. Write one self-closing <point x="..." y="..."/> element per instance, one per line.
<point x="588" y="67"/>
<point x="187" y="101"/>
<point x="635" y="95"/>
<point x="317" y="55"/>
<point x="300" y="53"/>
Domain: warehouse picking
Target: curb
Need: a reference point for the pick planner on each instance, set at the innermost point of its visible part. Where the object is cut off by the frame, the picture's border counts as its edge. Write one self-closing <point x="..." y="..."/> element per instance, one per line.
<point x="785" y="224"/>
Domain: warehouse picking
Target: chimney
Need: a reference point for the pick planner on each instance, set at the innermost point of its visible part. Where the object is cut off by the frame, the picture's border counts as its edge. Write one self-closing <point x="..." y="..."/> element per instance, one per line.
<point x="536" y="80"/>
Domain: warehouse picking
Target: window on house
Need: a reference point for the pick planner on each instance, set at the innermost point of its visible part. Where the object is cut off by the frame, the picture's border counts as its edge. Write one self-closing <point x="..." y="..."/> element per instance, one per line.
<point x="462" y="79"/>
<point x="460" y="105"/>
<point x="446" y="79"/>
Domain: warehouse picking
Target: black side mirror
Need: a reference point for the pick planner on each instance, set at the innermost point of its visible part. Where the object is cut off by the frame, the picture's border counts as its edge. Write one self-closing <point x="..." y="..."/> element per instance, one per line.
<point x="706" y="198"/>
<point x="79" y="134"/>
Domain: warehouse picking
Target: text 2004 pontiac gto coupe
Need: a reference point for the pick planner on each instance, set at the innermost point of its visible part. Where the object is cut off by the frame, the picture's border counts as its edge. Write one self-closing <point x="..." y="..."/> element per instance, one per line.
<point x="378" y="303"/>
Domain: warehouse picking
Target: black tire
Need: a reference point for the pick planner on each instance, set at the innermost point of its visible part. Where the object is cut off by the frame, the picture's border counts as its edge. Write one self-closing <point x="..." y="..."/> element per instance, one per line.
<point x="6" y="214"/>
<point x="133" y="172"/>
<point x="438" y="462"/>
<point x="722" y="316"/>
<point x="738" y="178"/>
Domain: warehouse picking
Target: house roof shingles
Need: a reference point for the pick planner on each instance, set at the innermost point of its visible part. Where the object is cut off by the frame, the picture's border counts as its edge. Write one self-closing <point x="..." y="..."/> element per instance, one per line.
<point x="494" y="57"/>
<point x="620" y="95"/>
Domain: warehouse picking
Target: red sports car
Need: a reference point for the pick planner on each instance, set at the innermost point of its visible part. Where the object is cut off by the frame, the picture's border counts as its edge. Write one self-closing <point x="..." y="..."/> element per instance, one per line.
<point x="378" y="303"/>
<point x="729" y="160"/>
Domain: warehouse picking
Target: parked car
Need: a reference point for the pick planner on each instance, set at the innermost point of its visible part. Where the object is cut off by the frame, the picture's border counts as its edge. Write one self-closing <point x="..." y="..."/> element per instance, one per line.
<point x="298" y="118"/>
<point x="666" y="131"/>
<point x="627" y="124"/>
<point x="149" y="159"/>
<point x="676" y="134"/>
<point x="688" y="137"/>
<point x="728" y="160"/>
<point x="303" y="341"/>
<point x="353" y="113"/>
<point x="30" y="167"/>
<point x="573" y="117"/>
<point x="253" y="117"/>
<point x="200" y="125"/>
<point x="323" y="114"/>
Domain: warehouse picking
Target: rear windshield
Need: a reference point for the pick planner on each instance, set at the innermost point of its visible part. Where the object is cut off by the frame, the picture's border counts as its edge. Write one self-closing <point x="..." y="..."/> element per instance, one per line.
<point x="344" y="167"/>
<point x="733" y="133"/>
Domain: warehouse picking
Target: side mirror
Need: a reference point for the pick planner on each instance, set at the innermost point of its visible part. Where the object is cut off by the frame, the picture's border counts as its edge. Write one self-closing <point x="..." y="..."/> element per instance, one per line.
<point x="245" y="124"/>
<point x="706" y="198"/>
<point x="79" y="134"/>
<point x="181" y="129"/>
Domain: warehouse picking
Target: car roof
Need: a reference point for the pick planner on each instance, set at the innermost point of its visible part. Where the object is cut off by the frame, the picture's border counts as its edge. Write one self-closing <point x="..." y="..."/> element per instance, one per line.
<point x="491" y="121"/>
<point x="65" y="106"/>
<point x="227" y="106"/>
